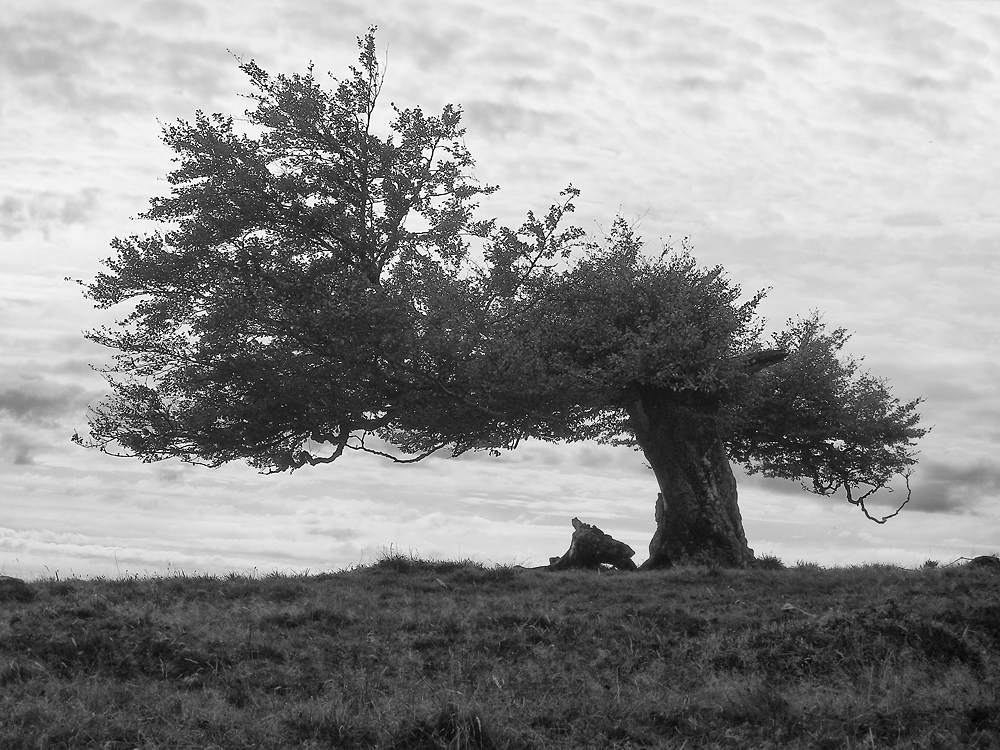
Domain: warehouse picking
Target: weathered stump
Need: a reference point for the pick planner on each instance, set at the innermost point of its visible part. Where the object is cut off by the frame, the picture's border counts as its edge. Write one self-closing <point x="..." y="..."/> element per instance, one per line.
<point x="590" y="548"/>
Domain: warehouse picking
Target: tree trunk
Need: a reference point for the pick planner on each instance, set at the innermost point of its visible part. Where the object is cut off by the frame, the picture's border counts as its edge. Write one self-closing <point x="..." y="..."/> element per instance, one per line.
<point x="697" y="516"/>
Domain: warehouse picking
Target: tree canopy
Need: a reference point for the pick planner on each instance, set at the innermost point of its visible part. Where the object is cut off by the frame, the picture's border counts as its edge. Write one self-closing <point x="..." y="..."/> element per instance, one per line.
<point x="318" y="288"/>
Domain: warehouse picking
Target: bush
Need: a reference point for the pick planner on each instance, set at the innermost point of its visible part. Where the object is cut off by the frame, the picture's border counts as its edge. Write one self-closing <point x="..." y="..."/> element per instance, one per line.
<point x="769" y="562"/>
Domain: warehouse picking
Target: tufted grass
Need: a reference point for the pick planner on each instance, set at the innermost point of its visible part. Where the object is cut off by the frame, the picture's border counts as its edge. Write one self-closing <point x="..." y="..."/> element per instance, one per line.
<point x="409" y="653"/>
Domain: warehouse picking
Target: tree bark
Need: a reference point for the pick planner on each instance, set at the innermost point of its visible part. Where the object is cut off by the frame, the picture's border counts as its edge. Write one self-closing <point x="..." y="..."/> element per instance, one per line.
<point x="697" y="515"/>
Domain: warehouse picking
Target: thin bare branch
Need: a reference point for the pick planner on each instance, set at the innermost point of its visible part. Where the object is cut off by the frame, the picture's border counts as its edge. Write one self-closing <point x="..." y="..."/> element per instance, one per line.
<point x="860" y="502"/>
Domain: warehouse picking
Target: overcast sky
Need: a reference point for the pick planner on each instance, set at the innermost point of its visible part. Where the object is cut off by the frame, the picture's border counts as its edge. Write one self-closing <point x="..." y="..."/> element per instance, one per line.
<point x="844" y="154"/>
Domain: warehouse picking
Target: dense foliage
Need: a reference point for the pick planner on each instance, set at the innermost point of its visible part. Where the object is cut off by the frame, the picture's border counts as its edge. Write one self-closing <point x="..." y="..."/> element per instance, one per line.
<point x="818" y="415"/>
<point x="296" y="295"/>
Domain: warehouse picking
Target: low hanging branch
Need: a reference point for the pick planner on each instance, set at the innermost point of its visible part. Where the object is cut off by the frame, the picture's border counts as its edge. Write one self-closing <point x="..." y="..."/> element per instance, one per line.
<point x="860" y="502"/>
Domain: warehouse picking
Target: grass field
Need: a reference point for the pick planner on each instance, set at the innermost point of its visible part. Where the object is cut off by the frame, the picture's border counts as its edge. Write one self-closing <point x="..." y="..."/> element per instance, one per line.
<point x="413" y="654"/>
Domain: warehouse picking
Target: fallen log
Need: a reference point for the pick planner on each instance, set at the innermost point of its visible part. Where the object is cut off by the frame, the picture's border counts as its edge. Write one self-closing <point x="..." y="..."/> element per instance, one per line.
<point x="590" y="548"/>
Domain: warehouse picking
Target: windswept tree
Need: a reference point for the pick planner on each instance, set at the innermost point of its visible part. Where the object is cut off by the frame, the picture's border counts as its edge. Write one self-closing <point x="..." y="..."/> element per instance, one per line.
<point x="318" y="288"/>
<point x="667" y="356"/>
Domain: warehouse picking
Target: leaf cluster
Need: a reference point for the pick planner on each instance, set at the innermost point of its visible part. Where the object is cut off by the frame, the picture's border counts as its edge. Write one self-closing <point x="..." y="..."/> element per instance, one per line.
<point x="291" y="295"/>
<point x="818" y="416"/>
<point x="619" y="319"/>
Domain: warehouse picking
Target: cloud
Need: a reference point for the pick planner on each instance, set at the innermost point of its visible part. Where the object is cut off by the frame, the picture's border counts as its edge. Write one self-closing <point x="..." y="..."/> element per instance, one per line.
<point x="914" y="219"/>
<point x="432" y="47"/>
<point x="81" y="63"/>
<point x="962" y="79"/>
<point x="46" y="211"/>
<point x="17" y="446"/>
<point x="173" y="12"/>
<point x="932" y="117"/>
<point x="35" y="414"/>
<point x="34" y="399"/>
<point x="911" y="34"/>
<point x="337" y="533"/>
<point x="340" y="21"/>
<point x="790" y="33"/>
<point x="912" y="68"/>
<point x="686" y="63"/>
<point x="957" y="487"/>
<point x="507" y="120"/>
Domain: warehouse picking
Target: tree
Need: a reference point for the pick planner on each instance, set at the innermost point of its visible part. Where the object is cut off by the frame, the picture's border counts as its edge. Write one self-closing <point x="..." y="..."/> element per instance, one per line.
<point x="319" y="289"/>
<point x="662" y="355"/>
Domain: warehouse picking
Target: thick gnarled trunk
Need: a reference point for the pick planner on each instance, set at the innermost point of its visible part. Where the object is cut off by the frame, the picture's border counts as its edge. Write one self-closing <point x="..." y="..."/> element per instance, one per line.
<point x="697" y="516"/>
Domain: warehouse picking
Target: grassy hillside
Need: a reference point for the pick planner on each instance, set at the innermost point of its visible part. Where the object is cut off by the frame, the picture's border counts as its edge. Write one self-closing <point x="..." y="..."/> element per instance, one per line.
<point x="411" y="654"/>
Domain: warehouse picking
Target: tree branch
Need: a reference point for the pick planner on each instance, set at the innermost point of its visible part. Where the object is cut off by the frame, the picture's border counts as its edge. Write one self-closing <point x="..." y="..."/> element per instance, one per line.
<point x="860" y="502"/>
<point x="752" y="362"/>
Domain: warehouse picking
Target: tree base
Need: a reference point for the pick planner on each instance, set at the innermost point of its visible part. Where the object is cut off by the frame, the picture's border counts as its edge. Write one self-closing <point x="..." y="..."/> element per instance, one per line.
<point x="705" y="543"/>
<point x="697" y="514"/>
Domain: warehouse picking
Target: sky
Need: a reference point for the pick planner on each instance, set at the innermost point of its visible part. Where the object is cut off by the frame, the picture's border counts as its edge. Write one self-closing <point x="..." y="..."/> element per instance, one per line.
<point x="844" y="155"/>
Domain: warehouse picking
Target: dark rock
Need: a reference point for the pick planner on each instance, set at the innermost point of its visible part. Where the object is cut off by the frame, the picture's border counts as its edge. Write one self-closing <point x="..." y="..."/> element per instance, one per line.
<point x="14" y="589"/>
<point x="590" y="548"/>
<point x="990" y="562"/>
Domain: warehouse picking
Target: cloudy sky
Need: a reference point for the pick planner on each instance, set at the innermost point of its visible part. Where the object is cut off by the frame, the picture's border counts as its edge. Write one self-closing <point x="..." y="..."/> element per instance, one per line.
<point x="844" y="154"/>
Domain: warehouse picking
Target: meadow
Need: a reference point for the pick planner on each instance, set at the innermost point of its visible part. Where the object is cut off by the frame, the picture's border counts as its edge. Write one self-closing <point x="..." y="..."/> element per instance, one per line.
<point x="407" y="653"/>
